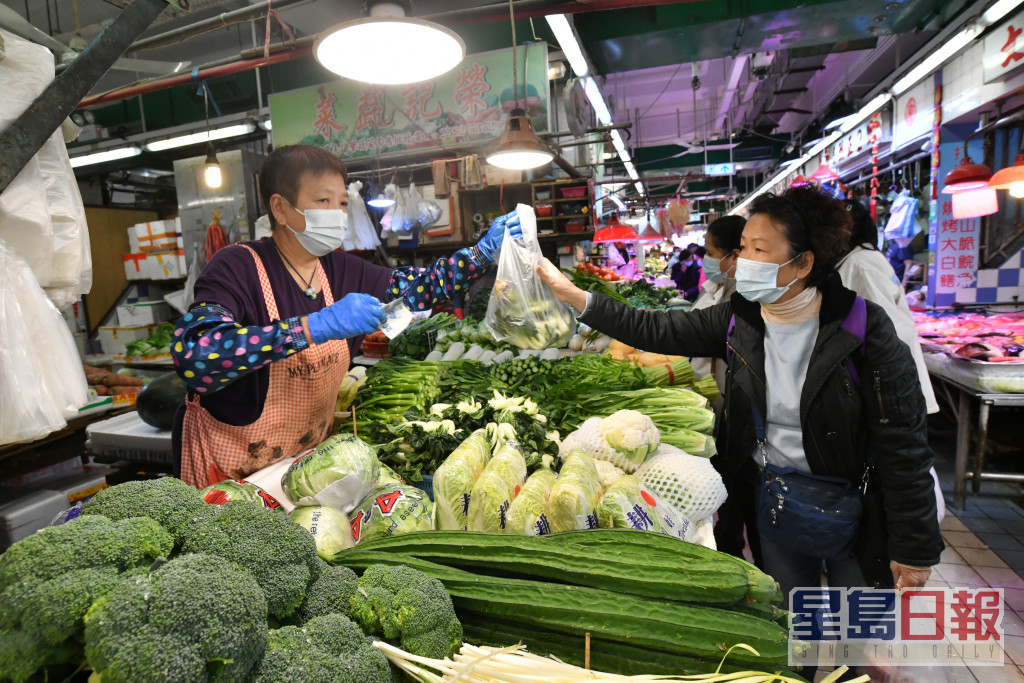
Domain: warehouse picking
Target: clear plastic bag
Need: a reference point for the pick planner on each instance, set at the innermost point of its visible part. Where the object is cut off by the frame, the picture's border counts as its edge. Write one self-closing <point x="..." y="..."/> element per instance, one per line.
<point x="901" y="222"/>
<point x="522" y="310"/>
<point x="361" y="232"/>
<point x="41" y="378"/>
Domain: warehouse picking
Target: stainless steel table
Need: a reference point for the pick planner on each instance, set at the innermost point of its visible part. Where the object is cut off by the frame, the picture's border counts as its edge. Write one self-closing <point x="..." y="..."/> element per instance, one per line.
<point x="986" y="401"/>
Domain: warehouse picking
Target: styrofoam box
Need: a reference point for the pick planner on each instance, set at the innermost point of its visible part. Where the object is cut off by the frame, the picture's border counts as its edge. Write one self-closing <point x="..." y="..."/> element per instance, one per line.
<point x="25" y="511"/>
<point x="133" y="241"/>
<point x="114" y="339"/>
<point x="157" y="235"/>
<point x="136" y="266"/>
<point x="78" y="486"/>
<point x="166" y="265"/>
<point x="143" y="313"/>
<point x="127" y="436"/>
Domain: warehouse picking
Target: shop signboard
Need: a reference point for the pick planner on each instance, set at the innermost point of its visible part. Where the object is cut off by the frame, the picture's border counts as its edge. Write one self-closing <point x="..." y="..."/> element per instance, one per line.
<point x="914" y="114"/>
<point x="858" y="142"/>
<point x="467" y="105"/>
<point x="955" y="244"/>
<point x="1004" y="49"/>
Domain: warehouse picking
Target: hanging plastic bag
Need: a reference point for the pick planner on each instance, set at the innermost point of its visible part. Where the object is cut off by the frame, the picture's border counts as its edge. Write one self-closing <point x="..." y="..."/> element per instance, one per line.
<point x="428" y="214"/>
<point x="522" y="310"/>
<point x="901" y="217"/>
<point x="361" y="230"/>
<point x="39" y="385"/>
<point x="411" y="213"/>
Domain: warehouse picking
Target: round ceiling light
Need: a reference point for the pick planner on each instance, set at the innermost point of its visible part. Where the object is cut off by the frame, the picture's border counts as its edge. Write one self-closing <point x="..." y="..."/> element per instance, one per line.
<point x="389" y="48"/>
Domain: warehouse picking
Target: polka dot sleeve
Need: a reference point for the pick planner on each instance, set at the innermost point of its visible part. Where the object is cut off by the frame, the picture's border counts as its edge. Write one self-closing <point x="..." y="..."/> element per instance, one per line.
<point x="446" y="279"/>
<point x="211" y="350"/>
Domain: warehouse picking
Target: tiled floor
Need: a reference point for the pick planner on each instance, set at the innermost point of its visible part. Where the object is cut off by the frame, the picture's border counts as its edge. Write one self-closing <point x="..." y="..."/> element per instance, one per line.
<point x="984" y="547"/>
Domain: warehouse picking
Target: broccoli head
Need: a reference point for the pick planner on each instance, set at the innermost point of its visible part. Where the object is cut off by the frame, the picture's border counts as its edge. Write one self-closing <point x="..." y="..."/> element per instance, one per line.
<point x="279" y="553"/>
<point x="408" y="608"/>
<point x="22" y="654"/>
<point x="194" y="618"/>
<point x="169" y="501"/>
<point x="327" y="649"/>
<point x="329" y="594"/>
<point x="91" y="541"/>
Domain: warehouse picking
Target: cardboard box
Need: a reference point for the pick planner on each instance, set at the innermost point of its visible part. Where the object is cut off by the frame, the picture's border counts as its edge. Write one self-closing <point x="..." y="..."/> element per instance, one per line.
<point x="143" y="313"/>
<point x="113" y="340"/>
<point x="135" y="267"/>
<point x="166" y="265"/>
<point x="158" y="235"/>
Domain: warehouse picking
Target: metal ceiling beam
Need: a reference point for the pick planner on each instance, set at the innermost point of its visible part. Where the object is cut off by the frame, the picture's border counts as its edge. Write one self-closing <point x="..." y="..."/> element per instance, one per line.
<point x="199" y="28"/>
<point x="20" y="141"/>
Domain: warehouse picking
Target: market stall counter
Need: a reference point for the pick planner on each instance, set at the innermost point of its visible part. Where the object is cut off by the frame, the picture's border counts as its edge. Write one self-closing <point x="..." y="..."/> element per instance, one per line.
<point x="975" y="357"/>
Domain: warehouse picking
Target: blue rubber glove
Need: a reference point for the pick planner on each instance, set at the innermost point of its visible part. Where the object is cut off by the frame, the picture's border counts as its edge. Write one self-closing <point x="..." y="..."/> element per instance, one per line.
<point x="490" y="243"/>
<point x="354" y="315"/>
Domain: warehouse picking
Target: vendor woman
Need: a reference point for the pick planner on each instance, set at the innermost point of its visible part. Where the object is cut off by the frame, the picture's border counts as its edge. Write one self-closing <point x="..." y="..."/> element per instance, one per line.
<point x="263" y="349"/>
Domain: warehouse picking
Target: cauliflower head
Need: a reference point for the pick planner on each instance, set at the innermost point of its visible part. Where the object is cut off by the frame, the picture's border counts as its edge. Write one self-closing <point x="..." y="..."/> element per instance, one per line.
<point x="631" y="434"/>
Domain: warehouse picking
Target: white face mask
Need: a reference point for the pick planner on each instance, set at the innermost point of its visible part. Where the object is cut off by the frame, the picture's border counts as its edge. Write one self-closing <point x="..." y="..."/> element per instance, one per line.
<point x="325" y="231"/>
<point x="757" y="281"/>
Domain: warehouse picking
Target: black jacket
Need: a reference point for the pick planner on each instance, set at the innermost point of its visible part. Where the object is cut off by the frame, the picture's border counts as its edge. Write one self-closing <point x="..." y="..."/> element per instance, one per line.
<point x="839" y="421"/>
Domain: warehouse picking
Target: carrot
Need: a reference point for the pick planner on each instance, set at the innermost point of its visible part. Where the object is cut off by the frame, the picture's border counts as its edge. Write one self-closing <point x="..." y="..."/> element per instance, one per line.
<point x="121" y="391"/>
<point x="97" y="378"/>
<point x="102" y="391"/>
<point x="115" y="380"/>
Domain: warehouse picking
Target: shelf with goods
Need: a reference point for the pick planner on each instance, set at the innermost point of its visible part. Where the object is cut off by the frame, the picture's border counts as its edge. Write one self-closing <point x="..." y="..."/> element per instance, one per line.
<point x="564" y="205"/>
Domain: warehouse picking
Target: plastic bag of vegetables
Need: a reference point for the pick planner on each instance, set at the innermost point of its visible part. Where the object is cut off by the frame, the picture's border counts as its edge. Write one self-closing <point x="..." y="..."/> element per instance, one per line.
<point x="329" y="527"/>
<point x="391" y="511"/>
<point x="238" y="489"/>
<point x="528" y="514"/>
<point x="497" y="487"/>
<point x="522" y="310"/>
<point x="455" y="478"/>
<point x="629" y="504"/>
<point x="337" y="473"/>
<point x="572" y="503"/>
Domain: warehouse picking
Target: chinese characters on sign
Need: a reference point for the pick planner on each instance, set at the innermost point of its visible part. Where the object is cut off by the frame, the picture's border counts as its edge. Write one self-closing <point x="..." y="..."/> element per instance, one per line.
<point x="1003" y="49"/>
<point x="468" y="105"/>
<point x="863" y="626"/>
<point x="956" y="250"/>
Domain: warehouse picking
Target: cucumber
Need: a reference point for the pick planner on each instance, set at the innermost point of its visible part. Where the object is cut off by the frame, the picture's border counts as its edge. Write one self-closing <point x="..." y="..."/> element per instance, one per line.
<point x="530" y="557"/>
<point x="572" y="611"/>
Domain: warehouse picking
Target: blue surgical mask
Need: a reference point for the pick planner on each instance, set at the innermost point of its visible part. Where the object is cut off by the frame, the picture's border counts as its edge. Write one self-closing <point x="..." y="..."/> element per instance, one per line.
<point x="756" y="281"/>
<point x="713" y="270"/>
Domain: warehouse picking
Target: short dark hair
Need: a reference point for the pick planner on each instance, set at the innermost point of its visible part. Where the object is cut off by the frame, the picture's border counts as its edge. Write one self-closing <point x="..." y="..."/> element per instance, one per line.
<point x="701" y="252"/>
<point x="864" y="230"/>
<point x="725" y="232"/>
<point x="282" y="171"/>
<point x="811" y="222"/>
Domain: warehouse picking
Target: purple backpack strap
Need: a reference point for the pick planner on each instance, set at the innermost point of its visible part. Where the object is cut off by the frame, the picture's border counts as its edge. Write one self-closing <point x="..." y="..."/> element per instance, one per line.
<point x="728" y="338"/>
<point x="856" y="323"/>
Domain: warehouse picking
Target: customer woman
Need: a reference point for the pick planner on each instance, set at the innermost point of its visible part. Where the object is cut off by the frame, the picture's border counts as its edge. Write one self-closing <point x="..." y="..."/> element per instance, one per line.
<point x="791" y="369"/>
<point x="263" y="349"/>
<point x="722" y="244"/>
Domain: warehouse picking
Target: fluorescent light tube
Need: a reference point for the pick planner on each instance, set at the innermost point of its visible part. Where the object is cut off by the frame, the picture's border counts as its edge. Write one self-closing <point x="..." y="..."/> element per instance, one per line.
<point x="566" y="38"/>
<point x="107" y="155"/>
<point x="935" y="60"/>
<point x="999" y="10"/>
<point x="197" y="138"/>
<point x="604" y="117"/>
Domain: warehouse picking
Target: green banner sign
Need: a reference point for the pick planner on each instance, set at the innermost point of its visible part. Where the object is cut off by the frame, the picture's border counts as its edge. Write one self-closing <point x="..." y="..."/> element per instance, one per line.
<point x="469" y="104"/>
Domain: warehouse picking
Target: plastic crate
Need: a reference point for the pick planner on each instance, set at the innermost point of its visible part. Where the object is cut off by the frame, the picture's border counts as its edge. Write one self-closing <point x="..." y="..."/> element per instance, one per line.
<point x="573" y="192"/>
<point x="375" y="349"/>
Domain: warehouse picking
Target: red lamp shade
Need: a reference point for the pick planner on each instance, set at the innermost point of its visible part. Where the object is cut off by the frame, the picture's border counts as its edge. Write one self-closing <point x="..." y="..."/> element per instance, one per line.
<point x="1010" y="178"/>
<point x="649" y="234"/>
<point x="825" y="174"/>
<point x="974" y="203"/>
<point x="967" y="176"/>
<point x="615" y="232"/>
<point x="800" y="181"/>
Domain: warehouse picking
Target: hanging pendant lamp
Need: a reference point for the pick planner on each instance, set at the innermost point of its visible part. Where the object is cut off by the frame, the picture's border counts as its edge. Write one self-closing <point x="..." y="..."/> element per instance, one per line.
<point x="825" y="174"/>
<point x="389" y="47"/>
<point x="615" y="232"/>
<point x="212" y="175"/>
<point x="967" y="176"/>
<point x="519" y="147"/>
<point x="1010" y="178"/>
<point x="649" y="234"/>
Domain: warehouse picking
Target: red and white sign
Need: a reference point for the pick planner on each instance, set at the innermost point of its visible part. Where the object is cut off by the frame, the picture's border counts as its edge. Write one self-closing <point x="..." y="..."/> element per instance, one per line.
<point x="859" y="140"/>
<point x="1004" y="49"/>
<point x="914" y="114"/>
